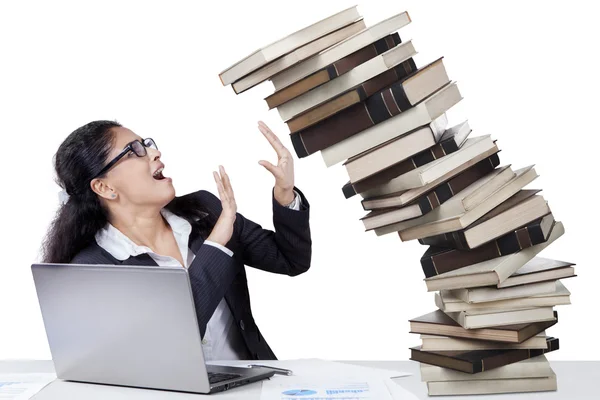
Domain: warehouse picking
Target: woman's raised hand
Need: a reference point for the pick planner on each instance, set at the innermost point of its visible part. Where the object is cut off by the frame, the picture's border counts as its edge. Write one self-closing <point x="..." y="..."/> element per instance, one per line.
<point x="223" y="229"/>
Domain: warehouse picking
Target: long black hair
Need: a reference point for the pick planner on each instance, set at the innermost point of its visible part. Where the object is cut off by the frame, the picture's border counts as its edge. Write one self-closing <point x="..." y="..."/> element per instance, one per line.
<point x="80" y="156"/>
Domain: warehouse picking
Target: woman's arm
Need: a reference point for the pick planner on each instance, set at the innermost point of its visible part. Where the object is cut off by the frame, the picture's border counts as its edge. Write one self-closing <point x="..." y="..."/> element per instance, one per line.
<point x="288" y="249"/>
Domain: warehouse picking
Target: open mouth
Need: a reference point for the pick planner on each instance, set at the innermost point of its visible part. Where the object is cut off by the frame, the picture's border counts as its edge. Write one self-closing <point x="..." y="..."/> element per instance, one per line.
<point x="158" y="175"/>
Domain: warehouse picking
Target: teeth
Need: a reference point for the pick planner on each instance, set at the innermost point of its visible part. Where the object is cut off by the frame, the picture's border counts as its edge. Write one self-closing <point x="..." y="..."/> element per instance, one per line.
<point x="158" y="171"/>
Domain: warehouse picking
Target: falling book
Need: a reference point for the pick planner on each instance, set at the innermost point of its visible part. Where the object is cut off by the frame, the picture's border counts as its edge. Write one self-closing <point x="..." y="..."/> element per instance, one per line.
<point x="356" y="76"/>
<point x="301" y="53"/>
<point x="334" y="70"/>
<point x="453" y="215"/>
<point x="535" y="367"/>
<point x="533" y="295"/>
<point x="539" y="269"/>
<point x="433" y="199"/>
<point x="439" y="260"/>
<point x="340" y="50"/>
<point x="493" y="386"/>
<point x="486" y="318"/>
<point x="288" y="44"/>
<point x="438" y="323"/>
<point x="472" y="362"/>
<point x="491" y="272"/>
<point x="452" y="139"/>
<point x="351" y="97"/>
<point x="355" y="140"/>
<point x="446" y="343"/>
<point x="526" y="236"/>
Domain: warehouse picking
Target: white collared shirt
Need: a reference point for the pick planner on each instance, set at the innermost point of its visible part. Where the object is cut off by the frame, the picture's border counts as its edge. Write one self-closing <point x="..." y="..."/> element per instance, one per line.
<point x="222" y="340"/>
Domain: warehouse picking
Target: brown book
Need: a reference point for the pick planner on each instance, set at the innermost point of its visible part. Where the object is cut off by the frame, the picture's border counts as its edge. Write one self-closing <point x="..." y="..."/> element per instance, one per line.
<point x="351" y="97"/>
<point x="439" y="324"/>
<point x="474" y="361"/>
<point x="376" y="109"/>
<point x="334" y="70"/>
<point x="450" y="142"/>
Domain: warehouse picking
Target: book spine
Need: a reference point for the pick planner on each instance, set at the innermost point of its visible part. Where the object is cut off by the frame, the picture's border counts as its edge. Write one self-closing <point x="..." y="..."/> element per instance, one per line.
<point x="437" y="261"/>
<point x="377" y="108"/>
<point x="446" y="190"/>
<point x="363" y="55"/>
<point x="439" y="150"/>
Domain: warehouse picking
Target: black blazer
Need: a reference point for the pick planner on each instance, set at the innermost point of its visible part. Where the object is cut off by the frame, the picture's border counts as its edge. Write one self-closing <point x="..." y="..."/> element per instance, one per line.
<point x="214" y="274"/>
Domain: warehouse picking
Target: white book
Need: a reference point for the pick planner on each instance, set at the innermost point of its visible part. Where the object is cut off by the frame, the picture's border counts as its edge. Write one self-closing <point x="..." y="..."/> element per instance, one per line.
<point x="421" y="114"/>
<point x="446" y="343"/>
<point x="540" y="269"/>
<point x="487" y="294"/>
<point x="288" y="44"/>
<point x="447" y="302"/>
<point x="357" y="75"/>
<point x="477" y="319"/>
<point x="340" y="50"/>
<point x="301" y="53"/>
<point x="491" y="272"/>
<point x="492" y="386"/>
<point x="435" y="170"/>
<point x="536" y="367"/>
<point x="451" y="216"/>
<point x="392" y="152"/>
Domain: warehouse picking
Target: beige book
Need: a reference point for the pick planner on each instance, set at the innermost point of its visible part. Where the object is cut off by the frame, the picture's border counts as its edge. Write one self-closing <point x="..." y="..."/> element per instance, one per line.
<point x="536" y="367"/>
<point x="301" y="53"/>
<point x="340" y="50"/>
<point x="451" y="216"/>
<point x="378" y="218"/>
<point x="500" y="175"/>
<point x="491" y="272"/>
<point x="540" y="269"/>
<point x="359" y="74"/>
<point x="391" y="152"/>
<point x="488" y="294"/>
<point x="492" y="386"/>
<point x="446" y="343"/>
<point x="477" y="319"/>
<point x="421" y="114"/>
<point x="446" y="302"/>
<point x="288" y="44"/>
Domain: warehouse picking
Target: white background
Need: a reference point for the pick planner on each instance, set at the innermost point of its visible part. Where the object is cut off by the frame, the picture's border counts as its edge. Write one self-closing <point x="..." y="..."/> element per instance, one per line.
<point x="527" y="71"/>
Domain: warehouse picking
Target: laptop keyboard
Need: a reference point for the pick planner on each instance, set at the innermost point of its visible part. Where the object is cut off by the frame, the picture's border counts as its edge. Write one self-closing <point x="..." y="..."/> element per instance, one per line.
<point x="216" y="377"/>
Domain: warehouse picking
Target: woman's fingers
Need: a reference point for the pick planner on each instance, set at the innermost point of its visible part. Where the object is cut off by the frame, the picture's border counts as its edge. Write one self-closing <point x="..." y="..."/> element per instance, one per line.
<point x="272" y="138"/>
<point x="222" y="193"/>
<point x="226" y="182"/>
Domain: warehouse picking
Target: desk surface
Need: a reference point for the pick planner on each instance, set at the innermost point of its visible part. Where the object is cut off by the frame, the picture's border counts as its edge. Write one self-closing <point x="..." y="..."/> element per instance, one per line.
<point x="576" y="380"/>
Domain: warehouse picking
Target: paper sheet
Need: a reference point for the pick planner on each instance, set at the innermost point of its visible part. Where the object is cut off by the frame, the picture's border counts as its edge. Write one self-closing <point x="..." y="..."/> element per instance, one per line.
<point x="290" y="388"/>
<point x="22" y="386"/>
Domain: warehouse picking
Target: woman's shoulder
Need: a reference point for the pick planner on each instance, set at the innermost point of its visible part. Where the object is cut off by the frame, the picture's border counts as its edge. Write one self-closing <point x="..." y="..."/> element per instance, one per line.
<point x="93" y="254"/>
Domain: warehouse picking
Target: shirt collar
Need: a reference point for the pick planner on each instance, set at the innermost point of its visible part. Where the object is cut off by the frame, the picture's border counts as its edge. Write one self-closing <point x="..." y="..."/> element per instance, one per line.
<point x="122" y="247"/>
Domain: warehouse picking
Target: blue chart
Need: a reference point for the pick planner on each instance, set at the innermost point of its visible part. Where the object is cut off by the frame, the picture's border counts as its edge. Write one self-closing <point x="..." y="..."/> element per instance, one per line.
<point x="299" y="392"/>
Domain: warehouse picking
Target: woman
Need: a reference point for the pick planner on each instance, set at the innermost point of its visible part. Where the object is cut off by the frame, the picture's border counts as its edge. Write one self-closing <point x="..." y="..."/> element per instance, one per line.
<point x="121" y="209"/>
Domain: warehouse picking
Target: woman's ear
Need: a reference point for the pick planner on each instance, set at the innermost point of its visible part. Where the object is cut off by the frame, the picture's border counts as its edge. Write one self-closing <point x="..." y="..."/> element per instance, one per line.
<point x="100" y="187"/>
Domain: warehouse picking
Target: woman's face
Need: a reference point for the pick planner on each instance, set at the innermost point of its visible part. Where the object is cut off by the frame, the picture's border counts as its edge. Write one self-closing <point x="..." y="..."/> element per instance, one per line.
<point x="133" y="178"/>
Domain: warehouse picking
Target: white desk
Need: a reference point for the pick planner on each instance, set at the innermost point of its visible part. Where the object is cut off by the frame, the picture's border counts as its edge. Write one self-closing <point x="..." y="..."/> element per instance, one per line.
<point x="576" y="380"/>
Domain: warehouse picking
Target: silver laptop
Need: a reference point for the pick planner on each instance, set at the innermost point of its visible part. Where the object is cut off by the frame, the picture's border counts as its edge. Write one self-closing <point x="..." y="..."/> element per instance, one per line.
<point x="130" y="326"/>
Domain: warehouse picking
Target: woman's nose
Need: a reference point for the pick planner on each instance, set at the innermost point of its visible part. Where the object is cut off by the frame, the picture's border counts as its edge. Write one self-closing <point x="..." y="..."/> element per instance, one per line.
<point x="154" y="153"/>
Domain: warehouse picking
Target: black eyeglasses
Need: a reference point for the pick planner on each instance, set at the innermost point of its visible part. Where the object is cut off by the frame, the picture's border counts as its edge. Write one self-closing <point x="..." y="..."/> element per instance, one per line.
<point x="138" y="147"/>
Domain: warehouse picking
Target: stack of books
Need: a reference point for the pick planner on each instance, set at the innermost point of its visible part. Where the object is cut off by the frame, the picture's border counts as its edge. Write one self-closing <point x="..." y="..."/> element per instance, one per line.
<point x="355" y="95"/>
